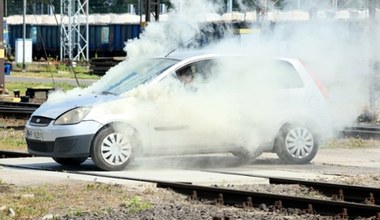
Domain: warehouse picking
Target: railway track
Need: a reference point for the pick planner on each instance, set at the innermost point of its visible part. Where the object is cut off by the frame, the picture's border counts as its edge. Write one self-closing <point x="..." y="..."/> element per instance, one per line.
<point x="351" y="207"/>
<point x="17" y="109"/>
<point x="14" y="127"/>
<point x="365" y="131"/>
<point x="339" y="192"/>
<point x="275" y="202"/>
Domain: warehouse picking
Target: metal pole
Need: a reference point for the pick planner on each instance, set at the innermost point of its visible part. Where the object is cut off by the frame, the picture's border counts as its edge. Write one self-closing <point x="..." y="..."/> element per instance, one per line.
<point x="23" y="37"/>
<point x="229" y="6"/>
<point x="147" y="10"/>
<point x="87" y="31"/>
<point x="373" y="62"/>
<point x="2" y="52"/>
<point x="157" y="10"/>
<point x="140" y="12"/>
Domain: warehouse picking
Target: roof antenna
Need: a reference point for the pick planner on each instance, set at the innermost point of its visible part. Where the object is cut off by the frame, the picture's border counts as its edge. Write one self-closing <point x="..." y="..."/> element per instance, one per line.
<point x="182" y="45"/>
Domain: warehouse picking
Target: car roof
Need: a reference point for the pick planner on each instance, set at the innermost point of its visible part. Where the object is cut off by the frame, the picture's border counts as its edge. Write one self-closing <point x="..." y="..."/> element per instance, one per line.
<point x="191" y="54"/>
<point x="194" y="54"/>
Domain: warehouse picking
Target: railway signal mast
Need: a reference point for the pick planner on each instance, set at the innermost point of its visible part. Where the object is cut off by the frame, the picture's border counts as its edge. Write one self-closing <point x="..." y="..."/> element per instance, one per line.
<point x="374" y="64"/>
<point x="74" y="30"/>
<point x="152" y="7"/>
<point x="2" y="52"/>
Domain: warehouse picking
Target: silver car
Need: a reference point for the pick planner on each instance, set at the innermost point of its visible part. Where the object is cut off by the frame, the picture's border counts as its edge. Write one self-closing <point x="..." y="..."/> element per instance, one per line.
<point x="111" y="125"/>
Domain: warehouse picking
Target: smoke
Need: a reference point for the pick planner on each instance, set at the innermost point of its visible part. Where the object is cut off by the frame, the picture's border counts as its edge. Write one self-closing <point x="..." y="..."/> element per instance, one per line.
<point x="183" y="24"/>
<point x="337" y="49"/>
<point x="226" y="108"/>
<point x="338" y="53"/>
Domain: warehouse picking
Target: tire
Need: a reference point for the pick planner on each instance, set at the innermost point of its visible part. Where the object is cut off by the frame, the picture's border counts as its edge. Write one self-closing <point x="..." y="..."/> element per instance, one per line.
<point x="112" y="150"/>
<point x="70" y="161"/>
<point x="296" y="144"/>
<point x="244" y="155"/>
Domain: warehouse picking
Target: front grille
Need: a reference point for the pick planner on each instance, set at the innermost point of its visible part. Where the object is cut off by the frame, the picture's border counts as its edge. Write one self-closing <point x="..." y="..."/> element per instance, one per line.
<point x="42" y="147"/>
<point x="40" y="121"/>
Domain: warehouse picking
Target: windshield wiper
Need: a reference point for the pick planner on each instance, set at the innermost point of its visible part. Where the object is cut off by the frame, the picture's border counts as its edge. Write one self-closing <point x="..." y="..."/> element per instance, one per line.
<point x="107" y="93"/>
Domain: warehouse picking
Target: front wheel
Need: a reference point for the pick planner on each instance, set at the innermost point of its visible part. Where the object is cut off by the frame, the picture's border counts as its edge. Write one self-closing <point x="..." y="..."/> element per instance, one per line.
<point x="70" y="161"/>
<point x="245" y="155"/>
<point x="112" y="150"/>
<point x="296" y="144"/>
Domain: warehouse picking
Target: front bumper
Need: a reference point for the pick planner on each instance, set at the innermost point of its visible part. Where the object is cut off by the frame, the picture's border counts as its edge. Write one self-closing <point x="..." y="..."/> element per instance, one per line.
<point x="62" y="141"/>
<point x="64" y="147"/>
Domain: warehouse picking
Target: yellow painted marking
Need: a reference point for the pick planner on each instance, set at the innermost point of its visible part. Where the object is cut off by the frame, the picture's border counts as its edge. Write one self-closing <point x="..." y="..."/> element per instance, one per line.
<point x="248" y="31"/>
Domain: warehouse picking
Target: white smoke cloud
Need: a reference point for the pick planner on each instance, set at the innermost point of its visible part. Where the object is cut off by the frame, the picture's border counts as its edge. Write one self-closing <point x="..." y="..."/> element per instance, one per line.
<point x="339" y="54"/>
<point x="183" y="23"/>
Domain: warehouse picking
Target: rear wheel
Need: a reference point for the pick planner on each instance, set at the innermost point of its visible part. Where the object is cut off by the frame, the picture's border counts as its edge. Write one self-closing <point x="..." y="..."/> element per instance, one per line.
<point x="296" y="144"/>
<point x="70" y="161"/>
<point x="242" y="155"/>
<point x="112" y="150"/>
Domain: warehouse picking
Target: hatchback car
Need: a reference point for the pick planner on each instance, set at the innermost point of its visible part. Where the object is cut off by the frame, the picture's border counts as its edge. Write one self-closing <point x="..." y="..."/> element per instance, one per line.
<point x="291" y="122"/>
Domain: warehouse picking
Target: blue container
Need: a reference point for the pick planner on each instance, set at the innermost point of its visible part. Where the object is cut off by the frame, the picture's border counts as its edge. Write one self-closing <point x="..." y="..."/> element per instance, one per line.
<point x="7" y="68"/>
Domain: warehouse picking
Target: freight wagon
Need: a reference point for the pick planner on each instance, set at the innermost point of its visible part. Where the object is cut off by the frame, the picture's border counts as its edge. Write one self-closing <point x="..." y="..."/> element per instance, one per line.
<point x="108" y="36"/>
<point x="110" y="32"/>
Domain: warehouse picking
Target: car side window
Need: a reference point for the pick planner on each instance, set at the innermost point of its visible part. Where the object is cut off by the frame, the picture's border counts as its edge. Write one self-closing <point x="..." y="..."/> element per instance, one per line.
<point x="199" y="71"/>
<point x="186" y="74"/>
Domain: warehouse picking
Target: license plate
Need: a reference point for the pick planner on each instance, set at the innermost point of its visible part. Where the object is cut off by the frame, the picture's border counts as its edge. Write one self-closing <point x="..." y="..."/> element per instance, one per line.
<point x="34" y="134"/>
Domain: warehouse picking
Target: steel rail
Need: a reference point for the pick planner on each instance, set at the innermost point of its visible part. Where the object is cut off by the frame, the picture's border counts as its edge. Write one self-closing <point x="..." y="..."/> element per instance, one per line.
<point x="13" y="154"/>
<point x="362" y="131"/>
<point x="337" y="191"/>
<point x="19" y="104"/>
<point x="81" y="173"/>
<point x="245" y="199"/>
<point x="14" y="127"/>
<point x="16" y="110"/>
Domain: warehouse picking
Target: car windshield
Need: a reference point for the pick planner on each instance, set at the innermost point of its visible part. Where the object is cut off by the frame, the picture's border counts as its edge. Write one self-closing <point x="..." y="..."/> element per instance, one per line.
<point x="139" y="74"/>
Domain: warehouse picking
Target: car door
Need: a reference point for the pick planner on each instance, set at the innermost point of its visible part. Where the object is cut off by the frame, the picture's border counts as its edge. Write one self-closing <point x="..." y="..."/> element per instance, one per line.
<point x="175" y="131"/>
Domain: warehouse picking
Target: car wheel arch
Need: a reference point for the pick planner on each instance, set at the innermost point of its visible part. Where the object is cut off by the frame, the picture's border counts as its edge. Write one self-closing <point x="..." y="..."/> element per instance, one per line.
<point x="116" y="124"/>
<point x="301" y="122"/>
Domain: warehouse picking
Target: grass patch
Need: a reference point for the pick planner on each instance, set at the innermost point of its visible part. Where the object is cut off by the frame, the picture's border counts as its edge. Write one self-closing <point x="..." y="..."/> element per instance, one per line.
<point x="136" y="205"/>
<point x="53" y="68"/>
<point x="72" y="199"/>
<point x="12" y="140"/>
<point x="59" y="74"/>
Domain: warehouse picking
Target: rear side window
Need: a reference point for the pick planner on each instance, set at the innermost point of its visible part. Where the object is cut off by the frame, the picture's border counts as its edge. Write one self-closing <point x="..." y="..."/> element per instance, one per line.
<point x="286" y="76"/>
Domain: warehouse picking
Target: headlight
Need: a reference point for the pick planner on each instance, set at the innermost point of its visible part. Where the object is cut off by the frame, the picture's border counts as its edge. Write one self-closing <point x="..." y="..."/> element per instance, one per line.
<point x="73" y="116"/>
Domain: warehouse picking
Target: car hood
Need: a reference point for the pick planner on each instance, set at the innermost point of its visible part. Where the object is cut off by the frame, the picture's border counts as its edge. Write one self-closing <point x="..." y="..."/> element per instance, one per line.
<point x="53" y="109"/>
